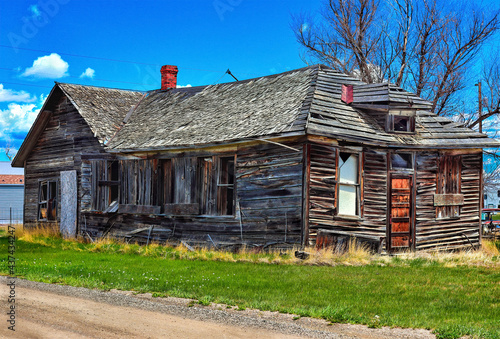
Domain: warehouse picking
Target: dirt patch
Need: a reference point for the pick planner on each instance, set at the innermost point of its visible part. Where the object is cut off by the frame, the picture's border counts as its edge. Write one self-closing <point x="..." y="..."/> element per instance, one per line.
<point x="57" y="311"/>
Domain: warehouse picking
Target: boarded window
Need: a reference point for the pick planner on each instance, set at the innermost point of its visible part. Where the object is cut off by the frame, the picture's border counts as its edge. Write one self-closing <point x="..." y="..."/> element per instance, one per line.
<point x="47" y="200"/>
<point x="225" y="186"/>
<point x="166" y="183"/>
<point x="348" y="184"/>
<point x="449" y="186"/>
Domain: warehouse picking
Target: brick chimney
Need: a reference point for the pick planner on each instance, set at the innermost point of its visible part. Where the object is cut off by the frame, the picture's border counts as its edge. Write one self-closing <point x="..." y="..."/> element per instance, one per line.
<point x="169" y="77"/>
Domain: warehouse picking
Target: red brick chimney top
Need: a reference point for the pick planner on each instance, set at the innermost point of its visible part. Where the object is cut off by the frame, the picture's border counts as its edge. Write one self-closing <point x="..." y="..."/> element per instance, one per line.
<point x="347" y="94"/>
<point x="169" y="77"/>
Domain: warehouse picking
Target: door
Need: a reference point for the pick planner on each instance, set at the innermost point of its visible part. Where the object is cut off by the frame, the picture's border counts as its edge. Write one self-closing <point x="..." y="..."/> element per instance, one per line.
<point x="400" y="235"/>
<point x="69" y="203"/>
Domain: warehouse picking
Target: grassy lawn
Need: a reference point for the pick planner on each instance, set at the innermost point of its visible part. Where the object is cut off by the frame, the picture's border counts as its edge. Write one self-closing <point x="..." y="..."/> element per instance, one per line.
<point x="419" y="293"/>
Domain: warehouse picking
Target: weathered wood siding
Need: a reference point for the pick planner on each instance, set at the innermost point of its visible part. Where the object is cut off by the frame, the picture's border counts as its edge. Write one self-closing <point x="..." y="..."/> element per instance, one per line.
<point x="432" y="232"/>
<point x="268" y="186"/>
<point x="322" y="194"/>
<point x="59" y="148"/>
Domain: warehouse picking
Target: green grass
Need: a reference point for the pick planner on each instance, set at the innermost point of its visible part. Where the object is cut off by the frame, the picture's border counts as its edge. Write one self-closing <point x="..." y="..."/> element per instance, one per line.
<point x="418" y="293"/>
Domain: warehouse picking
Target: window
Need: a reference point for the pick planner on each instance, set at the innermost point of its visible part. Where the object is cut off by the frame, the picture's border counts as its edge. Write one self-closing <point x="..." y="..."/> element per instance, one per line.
<point x="106" y="185"/>
<point x="112" y="173"/>
<point x="348" y="184"/>
<point x="225" y="186"/>
<point x="198" y="185"/>
<point x="401" y="120"/>
<point x="449" y="200"/>
<point x="166" y="183"/>
<point x="47" y="200"/>
<point x="401" y="161"/>
<point x="498" y="194"/>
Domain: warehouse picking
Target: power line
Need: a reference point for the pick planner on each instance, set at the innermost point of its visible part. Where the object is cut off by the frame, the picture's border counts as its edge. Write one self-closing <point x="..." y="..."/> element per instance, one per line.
<point x="79" y="56"/>
<point x="109" y="59"/>
<point x="15" y="83"/>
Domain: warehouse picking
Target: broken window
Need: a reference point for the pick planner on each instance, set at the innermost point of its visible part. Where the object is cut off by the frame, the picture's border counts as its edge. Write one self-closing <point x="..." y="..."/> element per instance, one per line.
<point x="400" y="123"/>
<point x="225" y="186"/>
<point x="105" y="184"/>
<point x="348" y="184"/>
<point x="449" y="186"/>
<point x="401" y="161"/>
<point x="47" y="200"/>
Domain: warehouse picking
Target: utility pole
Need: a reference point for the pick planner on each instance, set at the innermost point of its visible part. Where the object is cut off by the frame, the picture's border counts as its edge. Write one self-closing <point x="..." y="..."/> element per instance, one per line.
<point x="480" y="100"/>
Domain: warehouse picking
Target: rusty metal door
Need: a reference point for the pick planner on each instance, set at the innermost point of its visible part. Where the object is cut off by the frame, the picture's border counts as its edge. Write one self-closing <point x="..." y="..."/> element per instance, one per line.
<point x="400" y="235"/>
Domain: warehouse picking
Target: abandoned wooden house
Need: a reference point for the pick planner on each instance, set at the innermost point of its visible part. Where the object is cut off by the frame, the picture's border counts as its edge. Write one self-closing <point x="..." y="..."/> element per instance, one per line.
<point x="298" y="157"/>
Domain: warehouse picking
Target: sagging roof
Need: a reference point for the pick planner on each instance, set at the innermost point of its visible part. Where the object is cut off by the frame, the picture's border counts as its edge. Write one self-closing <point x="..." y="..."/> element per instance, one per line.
<point x="303" y="101"/>
<point x="212" y="114"/>
<point x="102" y="108"/>
<point x="298" y="102"/>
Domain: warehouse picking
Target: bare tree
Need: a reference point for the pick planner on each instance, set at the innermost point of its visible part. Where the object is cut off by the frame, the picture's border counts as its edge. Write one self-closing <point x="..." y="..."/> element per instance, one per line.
<point x="413" y="44"/>
<point x="9" y="152"/>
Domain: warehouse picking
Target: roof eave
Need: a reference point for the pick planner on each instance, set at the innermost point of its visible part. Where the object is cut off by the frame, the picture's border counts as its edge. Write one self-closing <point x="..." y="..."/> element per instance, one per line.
<point x="34" y="133"/>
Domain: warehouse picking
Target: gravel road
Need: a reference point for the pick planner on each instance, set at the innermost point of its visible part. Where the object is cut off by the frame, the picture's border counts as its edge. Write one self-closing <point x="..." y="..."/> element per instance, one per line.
<point x="58" y="311"/>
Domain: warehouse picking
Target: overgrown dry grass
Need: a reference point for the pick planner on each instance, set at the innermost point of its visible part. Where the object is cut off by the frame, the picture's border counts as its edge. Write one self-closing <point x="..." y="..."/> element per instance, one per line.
<point x="355" y="255"/>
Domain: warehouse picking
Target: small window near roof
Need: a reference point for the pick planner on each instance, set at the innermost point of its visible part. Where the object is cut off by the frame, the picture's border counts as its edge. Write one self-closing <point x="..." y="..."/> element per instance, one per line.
<point x="401" y="160"/>
<point x="401" y="120"/>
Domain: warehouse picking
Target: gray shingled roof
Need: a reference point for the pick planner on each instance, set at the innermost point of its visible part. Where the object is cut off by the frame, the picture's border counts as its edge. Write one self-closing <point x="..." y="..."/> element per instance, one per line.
<point x="303" y="101"/>
<point x="211" y="114"/>
<point x="102" y="108"/>
<point x="329" y="116"/>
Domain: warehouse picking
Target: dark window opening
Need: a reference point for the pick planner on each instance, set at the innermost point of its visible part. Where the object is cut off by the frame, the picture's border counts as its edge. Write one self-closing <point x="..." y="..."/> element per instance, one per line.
<point x="225" y="187"/>
<point x="400" y="123"/>
<point x="402" y="160"/>
<point x="498" y="194"/>
<point x="113" y="176"/>
<point x="47" y="200"/>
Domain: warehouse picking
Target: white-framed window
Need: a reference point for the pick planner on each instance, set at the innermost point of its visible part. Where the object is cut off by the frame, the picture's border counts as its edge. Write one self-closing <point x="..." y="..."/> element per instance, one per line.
<point x="348" y="187"/>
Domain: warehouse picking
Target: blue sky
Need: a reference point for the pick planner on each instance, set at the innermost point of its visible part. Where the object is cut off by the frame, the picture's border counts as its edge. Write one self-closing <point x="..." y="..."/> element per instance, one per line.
<point x="123" y="44"/>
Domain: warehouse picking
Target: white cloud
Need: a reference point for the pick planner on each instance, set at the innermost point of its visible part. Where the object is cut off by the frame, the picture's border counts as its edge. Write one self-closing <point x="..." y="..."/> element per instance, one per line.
<point x="12" y="95"/>
<point x="181" y="86"/>
<point x="16" y="120"/>
<point x="89" y="73"/>
<point x="49" y="66"/>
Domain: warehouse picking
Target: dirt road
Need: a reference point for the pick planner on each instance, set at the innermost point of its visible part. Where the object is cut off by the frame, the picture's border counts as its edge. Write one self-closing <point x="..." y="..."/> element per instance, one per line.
<point x="55" y="311"/>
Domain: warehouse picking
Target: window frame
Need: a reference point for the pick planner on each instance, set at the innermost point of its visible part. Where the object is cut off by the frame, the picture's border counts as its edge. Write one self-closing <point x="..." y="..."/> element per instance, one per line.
<point x="51" y="191"/>
<point x="402" y="169"/>
<point x="358" y="185"/>
<point x="410" y="114"/>
<point x="222" y="188"/>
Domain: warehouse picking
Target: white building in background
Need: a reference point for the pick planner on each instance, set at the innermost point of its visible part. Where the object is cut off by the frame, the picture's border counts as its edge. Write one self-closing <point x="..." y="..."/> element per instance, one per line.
<point x="492" y="197"/>
<point x="11" y="193"/>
